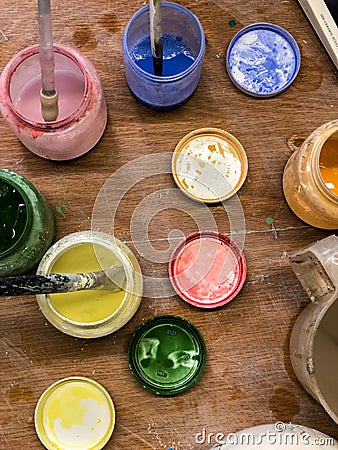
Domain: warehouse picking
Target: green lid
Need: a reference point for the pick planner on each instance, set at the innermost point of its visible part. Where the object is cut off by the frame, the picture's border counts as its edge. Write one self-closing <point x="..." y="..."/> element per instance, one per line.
<point x="167" y="354"/>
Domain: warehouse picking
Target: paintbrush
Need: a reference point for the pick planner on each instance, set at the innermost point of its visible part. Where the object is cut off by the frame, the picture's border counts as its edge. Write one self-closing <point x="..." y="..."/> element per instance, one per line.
<point x="156" y="36"/>
<point x="112" y="279"/>
<point x="48" y="94"/>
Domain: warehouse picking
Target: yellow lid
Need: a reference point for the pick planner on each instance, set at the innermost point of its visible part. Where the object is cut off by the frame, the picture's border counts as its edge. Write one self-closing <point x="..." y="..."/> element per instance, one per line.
<point x="74" y="413"/>
<point x="209" y="165"/>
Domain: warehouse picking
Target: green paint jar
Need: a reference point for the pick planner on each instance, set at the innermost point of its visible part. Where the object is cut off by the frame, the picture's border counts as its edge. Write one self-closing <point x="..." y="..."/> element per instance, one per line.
<point x="27" y="225"/>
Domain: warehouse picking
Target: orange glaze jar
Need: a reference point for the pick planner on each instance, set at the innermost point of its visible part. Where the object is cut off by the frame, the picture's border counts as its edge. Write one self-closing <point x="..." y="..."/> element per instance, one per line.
<point x="310" y="179"/>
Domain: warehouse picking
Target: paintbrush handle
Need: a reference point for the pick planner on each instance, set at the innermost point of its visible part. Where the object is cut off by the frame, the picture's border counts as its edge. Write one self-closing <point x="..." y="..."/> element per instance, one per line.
<point x="49" y="283"/>
<point x="156" y="41"/>
<point x="46" y="49"/>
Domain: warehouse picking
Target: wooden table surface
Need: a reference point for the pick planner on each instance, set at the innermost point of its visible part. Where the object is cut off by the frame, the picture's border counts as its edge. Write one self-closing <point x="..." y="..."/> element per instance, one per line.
<point x="248" y="379"/>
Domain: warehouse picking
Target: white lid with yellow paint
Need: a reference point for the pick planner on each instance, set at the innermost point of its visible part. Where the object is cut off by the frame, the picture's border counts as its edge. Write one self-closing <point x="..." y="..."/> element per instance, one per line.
<point x="75" y="413"/>
<point x="209" y="165"/>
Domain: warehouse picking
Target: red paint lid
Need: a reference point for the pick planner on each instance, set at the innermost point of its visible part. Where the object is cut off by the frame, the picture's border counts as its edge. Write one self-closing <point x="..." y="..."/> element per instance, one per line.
<point x="207" y="269"/>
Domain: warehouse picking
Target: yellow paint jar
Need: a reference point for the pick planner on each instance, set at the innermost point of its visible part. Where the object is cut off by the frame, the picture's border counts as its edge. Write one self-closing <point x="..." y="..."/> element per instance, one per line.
<point x="92" y="313"/>
<point x="310" y="179"/>
<point x="74" y="413"/>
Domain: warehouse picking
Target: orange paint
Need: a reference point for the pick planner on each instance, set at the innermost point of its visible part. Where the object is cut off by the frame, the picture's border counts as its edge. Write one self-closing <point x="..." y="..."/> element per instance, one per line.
<point x="185" y="184"/>
<point x="328" y="164"/>
<point x="220" y="149"/>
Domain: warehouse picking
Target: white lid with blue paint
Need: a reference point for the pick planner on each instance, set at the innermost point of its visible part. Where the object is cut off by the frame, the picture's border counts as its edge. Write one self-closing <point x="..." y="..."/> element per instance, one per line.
<point x="262" y="60"/>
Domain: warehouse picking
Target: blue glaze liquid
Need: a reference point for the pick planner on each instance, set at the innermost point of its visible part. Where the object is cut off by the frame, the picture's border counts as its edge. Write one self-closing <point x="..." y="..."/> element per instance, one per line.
<point x="177" y="56"/>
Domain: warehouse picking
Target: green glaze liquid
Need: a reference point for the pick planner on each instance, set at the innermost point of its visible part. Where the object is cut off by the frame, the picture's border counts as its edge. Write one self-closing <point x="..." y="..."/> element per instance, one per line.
<point x="27" y="225"/>
<point x="13" y="216"/>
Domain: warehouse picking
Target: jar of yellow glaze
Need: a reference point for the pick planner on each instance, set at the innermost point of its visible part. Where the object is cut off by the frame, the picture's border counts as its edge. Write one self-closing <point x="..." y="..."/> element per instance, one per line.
<point x="310" y="179"/>
<point x="92" y="313"/>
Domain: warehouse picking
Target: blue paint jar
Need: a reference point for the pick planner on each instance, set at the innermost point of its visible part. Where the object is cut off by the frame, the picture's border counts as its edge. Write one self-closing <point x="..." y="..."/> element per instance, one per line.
<point x="183" y="52"/>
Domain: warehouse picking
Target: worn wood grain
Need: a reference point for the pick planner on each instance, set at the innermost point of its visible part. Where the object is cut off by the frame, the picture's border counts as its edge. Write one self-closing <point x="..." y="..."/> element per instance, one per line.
<point x="248" y="378"/>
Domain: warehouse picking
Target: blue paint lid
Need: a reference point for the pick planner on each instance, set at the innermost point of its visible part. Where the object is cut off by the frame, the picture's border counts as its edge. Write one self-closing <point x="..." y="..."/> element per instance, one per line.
<point x="262" y="60"/>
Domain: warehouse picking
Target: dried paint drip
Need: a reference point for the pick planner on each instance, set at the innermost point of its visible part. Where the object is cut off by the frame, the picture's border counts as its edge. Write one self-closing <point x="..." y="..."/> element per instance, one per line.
<point x="84" y="38"/>
<point x="295" y="141"/>
<point x="281" y="397"/>
<point x="110" y="23"/>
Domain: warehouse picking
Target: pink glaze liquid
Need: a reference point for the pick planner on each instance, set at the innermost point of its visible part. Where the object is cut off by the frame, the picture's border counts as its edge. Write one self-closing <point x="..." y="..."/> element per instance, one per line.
<point x="70" y="87"/>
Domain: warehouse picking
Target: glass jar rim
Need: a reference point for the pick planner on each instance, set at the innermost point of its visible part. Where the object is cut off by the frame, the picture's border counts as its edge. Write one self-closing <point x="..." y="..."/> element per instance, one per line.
<point x="169" y="78"/>
<point x="31" y="51"/>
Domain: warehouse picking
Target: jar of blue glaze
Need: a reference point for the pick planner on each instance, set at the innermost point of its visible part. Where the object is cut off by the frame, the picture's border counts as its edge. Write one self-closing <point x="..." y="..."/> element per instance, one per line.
<point x="27" y="225"/>
<point x="183" y="54"/>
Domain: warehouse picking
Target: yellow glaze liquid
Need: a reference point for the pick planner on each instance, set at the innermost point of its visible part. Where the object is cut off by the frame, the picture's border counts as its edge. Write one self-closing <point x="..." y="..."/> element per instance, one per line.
<point x="86" y="306"/>
<point x="328" y="164"/>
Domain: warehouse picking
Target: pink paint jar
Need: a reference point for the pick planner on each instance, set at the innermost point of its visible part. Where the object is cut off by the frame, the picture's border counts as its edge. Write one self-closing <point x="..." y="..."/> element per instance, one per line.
<point x="82" y="109"/>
